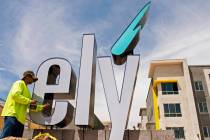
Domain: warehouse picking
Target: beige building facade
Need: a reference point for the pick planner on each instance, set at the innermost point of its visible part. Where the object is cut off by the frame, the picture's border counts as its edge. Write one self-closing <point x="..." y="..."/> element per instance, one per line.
<point x="200" y="78"/>
<point x="178" y="99"/>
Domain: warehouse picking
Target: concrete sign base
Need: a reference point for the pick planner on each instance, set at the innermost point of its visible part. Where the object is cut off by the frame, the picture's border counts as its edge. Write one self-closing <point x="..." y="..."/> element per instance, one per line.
<point x="62" y="134"/>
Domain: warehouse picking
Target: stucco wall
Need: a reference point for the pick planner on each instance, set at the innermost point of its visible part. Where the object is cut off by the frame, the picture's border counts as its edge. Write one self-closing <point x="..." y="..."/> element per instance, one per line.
<point x="104" y="135"/>
<point x="180" y="72"/>
<point x="201" y="73"/>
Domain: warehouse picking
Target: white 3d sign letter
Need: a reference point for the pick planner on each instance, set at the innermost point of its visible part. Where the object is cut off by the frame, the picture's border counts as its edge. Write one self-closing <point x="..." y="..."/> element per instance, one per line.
<point x="119" y="109"/>
<point x="56" y="80"/>
<point x="86" y="87"/>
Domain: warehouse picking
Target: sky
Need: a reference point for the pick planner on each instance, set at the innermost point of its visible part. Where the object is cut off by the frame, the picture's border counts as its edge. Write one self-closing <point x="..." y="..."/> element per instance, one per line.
<point x="33" y="31"/>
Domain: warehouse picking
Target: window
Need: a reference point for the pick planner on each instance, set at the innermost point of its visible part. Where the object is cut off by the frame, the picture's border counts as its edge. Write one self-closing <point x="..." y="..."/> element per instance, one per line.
<point x="203" y="107"/>
<point x="169" y="88"/>
<point x="172" y="110"/>
<point x="198" y="86"/>
<point x="178" y="131"/>
<point x="206" y="131"/>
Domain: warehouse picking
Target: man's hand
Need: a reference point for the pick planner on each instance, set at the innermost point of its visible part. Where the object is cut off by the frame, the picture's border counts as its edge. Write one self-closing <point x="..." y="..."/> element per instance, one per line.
<point x="33" y="102"/>
<point x="46" y="106"/>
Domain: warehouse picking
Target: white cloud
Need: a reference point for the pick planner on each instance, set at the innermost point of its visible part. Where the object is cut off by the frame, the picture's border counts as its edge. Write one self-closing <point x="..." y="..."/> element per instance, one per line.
<point x="5" y="83"/>
<point x="2" y="69"/>
<point x="43" y="34"/>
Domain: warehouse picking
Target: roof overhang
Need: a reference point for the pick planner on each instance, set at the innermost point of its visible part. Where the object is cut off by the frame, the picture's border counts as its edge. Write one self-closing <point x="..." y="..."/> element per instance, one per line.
<point x="155" y="63"/>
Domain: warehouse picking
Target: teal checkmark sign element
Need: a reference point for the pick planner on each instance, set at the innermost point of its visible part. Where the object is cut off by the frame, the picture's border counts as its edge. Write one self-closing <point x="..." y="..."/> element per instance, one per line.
<point x="130" y="37"/>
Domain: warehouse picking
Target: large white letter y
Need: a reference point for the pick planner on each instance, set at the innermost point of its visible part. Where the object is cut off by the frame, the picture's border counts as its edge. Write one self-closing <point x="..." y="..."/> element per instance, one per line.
<point x="119" y="109"/>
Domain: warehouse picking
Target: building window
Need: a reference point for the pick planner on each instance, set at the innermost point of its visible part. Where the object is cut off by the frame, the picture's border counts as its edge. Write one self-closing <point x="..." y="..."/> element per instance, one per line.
<point x="206" y="131"/>
<point x="198" y="86"/>
<point x="203" y="107"/>
<point x="178" y="131"/>
<point x="172" y="110"/>
<point x="169" y="88"/>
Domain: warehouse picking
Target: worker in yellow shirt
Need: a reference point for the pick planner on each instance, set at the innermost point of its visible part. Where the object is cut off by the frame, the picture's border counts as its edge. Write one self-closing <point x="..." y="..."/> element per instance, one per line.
<point x="16" y="105"/>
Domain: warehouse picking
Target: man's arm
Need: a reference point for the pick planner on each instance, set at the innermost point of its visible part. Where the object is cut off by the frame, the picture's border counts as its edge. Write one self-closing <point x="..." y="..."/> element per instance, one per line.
<point x="16" y="94"/>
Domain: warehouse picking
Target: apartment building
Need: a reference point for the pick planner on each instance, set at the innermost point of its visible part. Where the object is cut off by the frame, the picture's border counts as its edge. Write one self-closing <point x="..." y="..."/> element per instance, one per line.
<point x="200" y="78"/>
<point x="178" y="99"/>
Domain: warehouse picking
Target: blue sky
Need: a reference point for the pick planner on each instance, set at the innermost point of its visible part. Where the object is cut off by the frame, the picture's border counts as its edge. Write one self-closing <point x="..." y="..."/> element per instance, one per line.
<point x="32" y="31"/>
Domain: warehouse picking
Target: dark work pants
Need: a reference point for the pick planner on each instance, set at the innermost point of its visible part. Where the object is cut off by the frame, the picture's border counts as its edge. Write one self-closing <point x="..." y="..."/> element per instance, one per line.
<point x="12" y="127"/>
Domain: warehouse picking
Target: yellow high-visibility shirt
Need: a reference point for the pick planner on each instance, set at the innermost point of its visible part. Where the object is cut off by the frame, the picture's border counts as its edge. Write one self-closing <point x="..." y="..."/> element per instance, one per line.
<point x="18" y="100"/>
